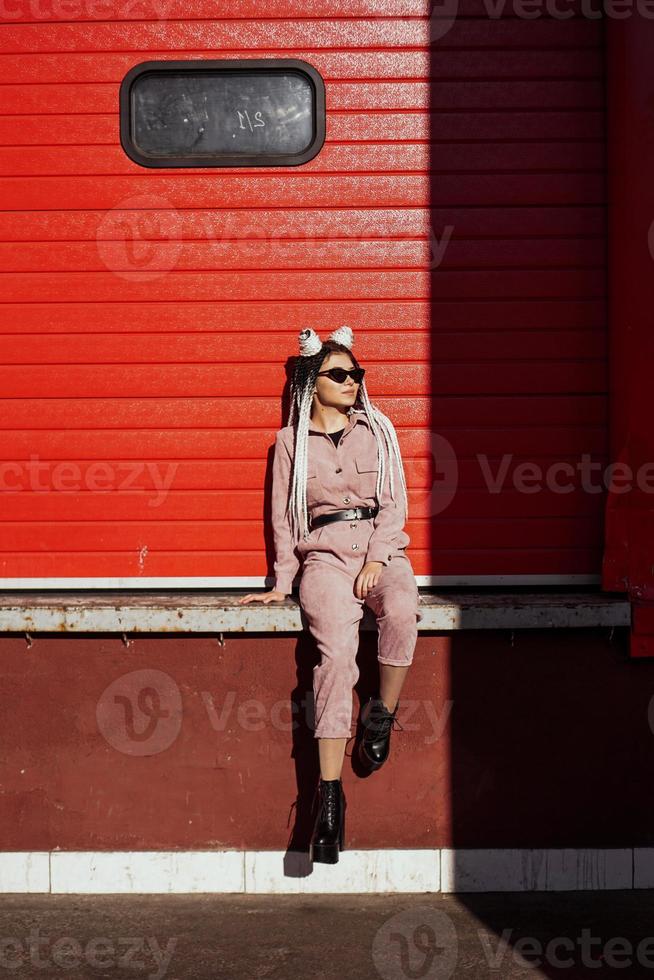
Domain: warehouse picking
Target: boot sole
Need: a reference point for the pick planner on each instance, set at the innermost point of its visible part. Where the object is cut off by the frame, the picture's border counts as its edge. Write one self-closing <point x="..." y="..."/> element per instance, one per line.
<point x="328" y="853"/>
<point x="324" y="854"/>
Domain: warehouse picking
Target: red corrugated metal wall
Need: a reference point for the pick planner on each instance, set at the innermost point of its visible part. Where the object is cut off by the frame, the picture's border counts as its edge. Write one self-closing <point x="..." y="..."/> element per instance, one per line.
<point x="628" y="562"/>
<point x="148" y="314"/>
<point x="518" y="311"/>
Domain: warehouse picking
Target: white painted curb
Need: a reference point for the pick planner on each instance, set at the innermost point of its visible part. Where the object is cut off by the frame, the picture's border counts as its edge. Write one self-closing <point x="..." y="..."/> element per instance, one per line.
<point x="357" y="872"/>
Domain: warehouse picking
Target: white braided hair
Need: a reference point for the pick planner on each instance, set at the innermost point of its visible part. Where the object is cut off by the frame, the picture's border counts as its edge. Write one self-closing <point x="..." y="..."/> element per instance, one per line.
<point x="303" y="386"/>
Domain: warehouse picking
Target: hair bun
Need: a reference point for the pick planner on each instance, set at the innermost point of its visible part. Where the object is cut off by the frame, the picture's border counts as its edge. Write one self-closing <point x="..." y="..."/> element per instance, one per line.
<point x="310" y="342"/>
<point x="343" y="336"/>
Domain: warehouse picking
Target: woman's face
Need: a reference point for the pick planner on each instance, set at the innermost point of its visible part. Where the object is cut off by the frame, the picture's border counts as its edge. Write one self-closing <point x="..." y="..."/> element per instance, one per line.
<point x="332" y="393"/>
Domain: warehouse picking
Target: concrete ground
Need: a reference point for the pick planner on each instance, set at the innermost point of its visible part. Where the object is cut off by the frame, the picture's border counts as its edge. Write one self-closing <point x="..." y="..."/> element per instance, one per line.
<point x="320" y="937"/>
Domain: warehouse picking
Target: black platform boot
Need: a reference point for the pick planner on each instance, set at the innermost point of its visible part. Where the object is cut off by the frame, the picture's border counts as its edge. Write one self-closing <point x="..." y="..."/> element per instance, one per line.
<point x="328" y="830"/>
<point x="375" y="743"/>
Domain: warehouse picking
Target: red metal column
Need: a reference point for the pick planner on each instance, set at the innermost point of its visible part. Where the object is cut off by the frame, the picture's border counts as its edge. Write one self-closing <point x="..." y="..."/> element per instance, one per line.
<point x="629" y="540"/>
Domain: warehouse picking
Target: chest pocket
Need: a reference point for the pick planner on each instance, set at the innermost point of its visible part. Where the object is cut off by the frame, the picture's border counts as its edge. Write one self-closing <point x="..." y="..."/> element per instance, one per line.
<point x="367" y="469"/>
<point x="315" y="488"/>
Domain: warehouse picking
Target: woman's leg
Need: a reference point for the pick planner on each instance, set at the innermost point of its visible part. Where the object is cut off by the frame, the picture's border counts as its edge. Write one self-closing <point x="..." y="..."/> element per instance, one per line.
<point x="394" y="600"/>
<point x="331" y="752"/>
<point x="333" y="614"/>
<point x="391" y="681"/>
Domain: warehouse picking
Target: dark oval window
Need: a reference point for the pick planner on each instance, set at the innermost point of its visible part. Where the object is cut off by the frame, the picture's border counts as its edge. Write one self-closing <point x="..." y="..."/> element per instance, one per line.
<point x="222" y="113"/>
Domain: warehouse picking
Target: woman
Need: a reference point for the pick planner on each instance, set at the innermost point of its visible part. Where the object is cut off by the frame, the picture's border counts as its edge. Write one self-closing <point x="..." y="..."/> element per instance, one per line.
<point x="340" y="449"/>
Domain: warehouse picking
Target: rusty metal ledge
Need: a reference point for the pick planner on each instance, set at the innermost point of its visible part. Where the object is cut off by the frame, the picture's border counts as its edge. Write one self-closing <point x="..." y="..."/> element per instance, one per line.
<point x="212" y="611"/>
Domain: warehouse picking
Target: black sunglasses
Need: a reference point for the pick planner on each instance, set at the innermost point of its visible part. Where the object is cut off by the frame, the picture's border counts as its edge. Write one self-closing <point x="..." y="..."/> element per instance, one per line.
<point x="339" y="374"/>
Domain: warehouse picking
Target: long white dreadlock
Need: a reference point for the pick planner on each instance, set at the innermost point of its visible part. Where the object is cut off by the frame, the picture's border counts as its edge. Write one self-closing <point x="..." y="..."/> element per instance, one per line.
<point x="303" y="386"/>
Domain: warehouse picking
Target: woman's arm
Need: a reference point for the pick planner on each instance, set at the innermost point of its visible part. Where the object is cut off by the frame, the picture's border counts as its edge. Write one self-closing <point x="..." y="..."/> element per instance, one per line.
<point x="286" y="561"/>
<point x="388" y="526"/>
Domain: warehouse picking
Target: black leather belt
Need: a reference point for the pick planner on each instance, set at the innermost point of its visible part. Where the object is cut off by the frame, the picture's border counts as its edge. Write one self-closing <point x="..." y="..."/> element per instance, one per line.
<point x="353" y="514"/>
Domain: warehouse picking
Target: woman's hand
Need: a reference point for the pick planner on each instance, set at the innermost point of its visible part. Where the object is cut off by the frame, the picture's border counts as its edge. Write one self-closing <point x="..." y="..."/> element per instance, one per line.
<point x="272" y="596"/>
<point x="367" y="577"/>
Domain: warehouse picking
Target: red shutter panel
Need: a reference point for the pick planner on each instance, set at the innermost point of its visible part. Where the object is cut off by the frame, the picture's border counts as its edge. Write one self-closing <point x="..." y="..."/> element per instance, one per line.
<point x="629" y="545"/>
<point x="454" y="218"/>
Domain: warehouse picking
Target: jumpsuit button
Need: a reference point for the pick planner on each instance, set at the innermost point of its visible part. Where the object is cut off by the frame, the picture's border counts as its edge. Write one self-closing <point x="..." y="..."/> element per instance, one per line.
<point x="354" y="547"/>
<point x="390" y="557"/>
<point x="353" y="524"/>
<point x="346" y="500"/>
<point x="339" y="470"/>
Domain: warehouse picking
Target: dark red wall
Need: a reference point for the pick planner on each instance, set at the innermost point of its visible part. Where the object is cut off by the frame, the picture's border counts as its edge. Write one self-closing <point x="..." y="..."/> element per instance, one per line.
<point x="546" y="743"/>
<point x="627" y="564"/>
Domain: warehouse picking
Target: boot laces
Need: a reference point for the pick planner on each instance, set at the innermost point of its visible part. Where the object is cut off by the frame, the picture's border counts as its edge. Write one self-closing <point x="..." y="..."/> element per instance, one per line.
<point x="381" y="721"/>
<point x="329" y="803"/>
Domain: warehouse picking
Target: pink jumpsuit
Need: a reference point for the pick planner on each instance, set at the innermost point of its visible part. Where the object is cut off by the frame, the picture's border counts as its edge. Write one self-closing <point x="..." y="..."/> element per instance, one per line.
<point x="340" y="477"/>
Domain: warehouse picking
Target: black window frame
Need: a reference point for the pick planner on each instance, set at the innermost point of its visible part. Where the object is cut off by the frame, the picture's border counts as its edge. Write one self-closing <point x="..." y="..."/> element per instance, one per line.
<point x="247" y="65"/>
